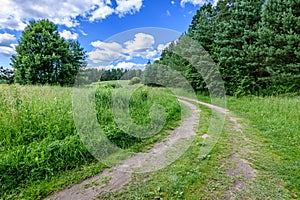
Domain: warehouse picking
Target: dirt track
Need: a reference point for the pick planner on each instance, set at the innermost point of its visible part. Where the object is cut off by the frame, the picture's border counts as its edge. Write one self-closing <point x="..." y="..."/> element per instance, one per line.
<point x="118" y="176"/>
<point x="156" y="158"/>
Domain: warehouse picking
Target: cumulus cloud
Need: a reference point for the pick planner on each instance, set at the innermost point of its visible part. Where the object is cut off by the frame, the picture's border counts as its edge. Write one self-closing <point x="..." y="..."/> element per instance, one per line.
<point x="7" y="51"/>
<point x="172" y="2"/>
<point x="108" y="46"/>
<point x="106" y="52"/>
<point x="128" y="6"/>
<point x="17" y="13"/>
<point x="7" y="46"/>
<point x="198" y="2"/>
<point x="141" y="46"/>
<point x="101" y="12"/>
<point x="104" y="56"/>
<point x="68" y="35"/>
<point x="129" y="65"/>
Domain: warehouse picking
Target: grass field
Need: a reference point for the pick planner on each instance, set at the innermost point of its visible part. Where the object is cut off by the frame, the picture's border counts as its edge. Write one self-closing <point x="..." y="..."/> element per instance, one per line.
<point x="40" y="148"/>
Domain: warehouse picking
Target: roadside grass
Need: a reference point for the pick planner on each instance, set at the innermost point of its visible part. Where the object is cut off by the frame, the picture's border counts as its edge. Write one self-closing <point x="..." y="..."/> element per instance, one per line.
<point x="41" y="151"/>
<point x="274" y="123"/>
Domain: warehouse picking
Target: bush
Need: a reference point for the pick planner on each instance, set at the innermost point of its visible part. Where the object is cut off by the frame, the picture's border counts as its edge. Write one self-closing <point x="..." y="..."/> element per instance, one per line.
<point x="135" y="80"/>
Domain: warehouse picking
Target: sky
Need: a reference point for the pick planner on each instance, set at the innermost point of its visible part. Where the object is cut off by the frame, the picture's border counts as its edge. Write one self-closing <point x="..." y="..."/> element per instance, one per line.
<point x="114" y="33"/>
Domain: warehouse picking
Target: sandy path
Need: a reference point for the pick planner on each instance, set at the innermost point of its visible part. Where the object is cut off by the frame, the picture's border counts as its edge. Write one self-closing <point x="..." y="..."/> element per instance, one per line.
<point x="162" y="154"/>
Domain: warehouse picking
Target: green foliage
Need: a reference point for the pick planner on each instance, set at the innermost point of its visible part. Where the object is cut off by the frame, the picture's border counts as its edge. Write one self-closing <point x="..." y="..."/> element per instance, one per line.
<point x="37" y="134"/>
<point x="235" y="33"/>
<point x="203" y="26"/>
<point x="278" y="46"/>
<point x="43" y="57"/>
<point x="135" y="80"/>
<point x="139" y="107"/>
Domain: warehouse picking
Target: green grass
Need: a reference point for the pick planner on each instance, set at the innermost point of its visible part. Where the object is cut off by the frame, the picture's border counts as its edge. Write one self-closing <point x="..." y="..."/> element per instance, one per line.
<point x="40" y="148"/>
<point x="275" y="123"/>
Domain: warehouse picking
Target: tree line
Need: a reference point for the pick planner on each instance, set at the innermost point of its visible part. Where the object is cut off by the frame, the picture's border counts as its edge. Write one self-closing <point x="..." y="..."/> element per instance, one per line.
<point x="254" y="44"/>
<point x="92" y="75"/>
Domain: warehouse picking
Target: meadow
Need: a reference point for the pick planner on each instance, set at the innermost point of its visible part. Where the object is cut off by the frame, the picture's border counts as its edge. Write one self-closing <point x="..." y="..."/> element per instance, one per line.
<point x="40" y="148"/>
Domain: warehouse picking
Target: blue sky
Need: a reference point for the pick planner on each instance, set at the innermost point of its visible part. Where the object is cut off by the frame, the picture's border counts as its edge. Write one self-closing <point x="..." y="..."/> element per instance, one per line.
<point x="115" y="33"/>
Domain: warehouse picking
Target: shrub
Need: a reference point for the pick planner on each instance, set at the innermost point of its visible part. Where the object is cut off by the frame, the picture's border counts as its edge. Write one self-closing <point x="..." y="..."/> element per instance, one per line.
<point x="135" y="80"/>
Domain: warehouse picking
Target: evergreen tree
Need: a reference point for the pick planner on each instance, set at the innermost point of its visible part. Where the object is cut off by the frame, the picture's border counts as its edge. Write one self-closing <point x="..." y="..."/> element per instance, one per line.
<point x="43" y="57"/>
<point x="202" y="27"/>
<point x="237" y="31"/>
<point x="279" y="45"/>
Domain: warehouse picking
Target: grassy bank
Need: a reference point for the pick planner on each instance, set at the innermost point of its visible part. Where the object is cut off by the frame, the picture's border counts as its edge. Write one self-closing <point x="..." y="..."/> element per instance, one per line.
<point x="40" y="148"/>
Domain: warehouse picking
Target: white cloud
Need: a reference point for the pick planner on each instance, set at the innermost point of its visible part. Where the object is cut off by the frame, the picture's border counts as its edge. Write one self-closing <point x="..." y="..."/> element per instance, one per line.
<point x="142" y="46"/>
<point x="161" y="47"/>
<point x="7" y="51"/>
<point x="106" y="52"/>
<point x="128" y="6"/>
<point x="215" y="2"/>
<point x="104" y="56"/>
<point x="7" y="47"/>
<point x="101" y="12"/>
<point x="16" y="13"/>
<point x="83" y="33"/>
<point x="172" y="2"/>
<point x="68" y="35"/>
<point x="108" y="46"/>
<point x="6" y="39"/>
<point x="129" y="65"/>
<point x="197" y="2"/>
<point x="123" y="65"/>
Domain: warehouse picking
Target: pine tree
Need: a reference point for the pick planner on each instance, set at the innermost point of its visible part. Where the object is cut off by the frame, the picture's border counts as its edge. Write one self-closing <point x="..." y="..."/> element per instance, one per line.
<point x="236" y="31"/>
<point x="279" y="45"/>
<point x="202" y="27"/>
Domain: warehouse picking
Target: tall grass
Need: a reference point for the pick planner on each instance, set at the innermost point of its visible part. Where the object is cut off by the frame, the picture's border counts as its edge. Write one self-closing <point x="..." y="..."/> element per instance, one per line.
<point x="37" y="135"/>
<point x="38" y="138"/>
